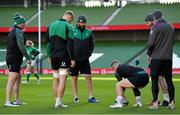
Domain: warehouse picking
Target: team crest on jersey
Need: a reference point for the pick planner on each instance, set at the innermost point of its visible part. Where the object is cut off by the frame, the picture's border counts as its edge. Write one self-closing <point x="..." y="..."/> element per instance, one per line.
<point x="63" y="64"/>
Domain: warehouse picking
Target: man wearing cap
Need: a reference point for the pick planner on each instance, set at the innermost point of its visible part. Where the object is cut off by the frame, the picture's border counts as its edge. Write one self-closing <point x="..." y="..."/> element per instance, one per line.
<point x="162" y="83"/>
<point x="160" y="50"/>
<point x="59" y="45"/>
<point x="14" y="57"/>
<point x="128" y="77"/>
<point x="83" y="48"/>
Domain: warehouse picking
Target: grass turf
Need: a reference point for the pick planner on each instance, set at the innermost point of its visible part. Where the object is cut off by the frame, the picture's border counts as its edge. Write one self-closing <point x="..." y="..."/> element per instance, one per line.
<point x="40" y="100"/>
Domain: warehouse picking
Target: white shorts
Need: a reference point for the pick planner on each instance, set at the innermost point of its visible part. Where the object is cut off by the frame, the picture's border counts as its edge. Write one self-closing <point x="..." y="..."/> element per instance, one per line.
<point x="33" y="62"/>
<point x="62" y="71"/>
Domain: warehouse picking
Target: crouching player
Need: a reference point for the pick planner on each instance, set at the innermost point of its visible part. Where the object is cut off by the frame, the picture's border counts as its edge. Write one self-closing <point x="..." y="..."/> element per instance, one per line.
<point x="33" y="53"/>
<point x="134" y="78"/>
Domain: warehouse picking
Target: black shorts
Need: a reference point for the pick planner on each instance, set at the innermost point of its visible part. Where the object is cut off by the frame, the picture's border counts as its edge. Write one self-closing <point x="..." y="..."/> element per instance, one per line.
<point x="14" y="66"/>
<point x="140" y="80"/>
<point x="161" y="68"/>
<point x="82" y="67"/>
<point x="57" y="63"/>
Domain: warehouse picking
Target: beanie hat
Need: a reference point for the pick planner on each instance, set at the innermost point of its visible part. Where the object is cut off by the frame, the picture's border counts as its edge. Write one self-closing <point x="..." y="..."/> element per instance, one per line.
<point x="157" y="14"/>
<point x="149" y="17"/>
<point x="81" y="18"/>
<point x="18" y="19"/>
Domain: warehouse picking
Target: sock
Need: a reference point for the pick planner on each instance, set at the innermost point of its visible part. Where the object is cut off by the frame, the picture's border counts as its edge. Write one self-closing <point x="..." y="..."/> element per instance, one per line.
<point x="119" y="99"/>
<point x="90" y="97"/>
<point x="28" y="74"/>
<point x="166" y="97"/>
<point x="7" y="101"/>
<point x="138" y="99"/>
<point x="58" y="101"/>
<point x="158" y="96"/>
<point x="36" y="75"/>
<point x="75" y="97"/>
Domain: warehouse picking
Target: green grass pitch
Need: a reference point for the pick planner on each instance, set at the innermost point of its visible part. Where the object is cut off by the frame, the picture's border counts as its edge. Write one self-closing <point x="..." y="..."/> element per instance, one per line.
<point x="39" y="98"/>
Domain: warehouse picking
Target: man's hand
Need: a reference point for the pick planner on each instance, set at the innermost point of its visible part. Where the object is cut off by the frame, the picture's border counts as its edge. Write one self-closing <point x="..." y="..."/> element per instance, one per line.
<point x="29" y="62"/>
<point x="49" y="60"/>
<point x="73" y="63"/>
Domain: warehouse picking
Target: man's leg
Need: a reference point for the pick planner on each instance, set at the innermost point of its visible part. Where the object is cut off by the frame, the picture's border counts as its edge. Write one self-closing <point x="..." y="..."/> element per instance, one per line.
<point x="155" y="92"/>
<point x="36" y="75"/>
<point x="55" y="82"/>
<point x="171" y="91"/>
<point x="89" y="86"/>
<point x="16" y="90"/>
<point x="137" y="95"/>
<point x="75" y="88"/>
<point x="125" y="83"/>
<point x="12" y="77"/>
<point x="164" y="89"/>
<point x="61" y="87"/>
<point x="88" y="78"/>
<point x="16" y="87"/>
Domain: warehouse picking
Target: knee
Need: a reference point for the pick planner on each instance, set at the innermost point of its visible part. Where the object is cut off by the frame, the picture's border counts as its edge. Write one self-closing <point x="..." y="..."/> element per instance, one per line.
<point x="88" y="77"/>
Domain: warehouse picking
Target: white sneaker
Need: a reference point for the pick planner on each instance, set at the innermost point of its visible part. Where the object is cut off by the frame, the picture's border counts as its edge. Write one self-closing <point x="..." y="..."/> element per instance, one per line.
<point x="138" y="105"/>
<point x="76" y="100"/>
<point x="24" y="82"/>
<point x="116" y="105"/>
<point x="60" y="105"/>
<point x="9" y="104"/>
<point x="171" y="106"/>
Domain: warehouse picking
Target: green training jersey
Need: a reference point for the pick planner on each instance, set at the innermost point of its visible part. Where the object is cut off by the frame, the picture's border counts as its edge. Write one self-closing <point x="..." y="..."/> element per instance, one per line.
<point x="33" y="52"/>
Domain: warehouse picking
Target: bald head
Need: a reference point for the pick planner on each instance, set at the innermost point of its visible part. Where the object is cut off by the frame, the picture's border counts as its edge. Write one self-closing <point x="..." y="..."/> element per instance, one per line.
<point x="115" y="65"/>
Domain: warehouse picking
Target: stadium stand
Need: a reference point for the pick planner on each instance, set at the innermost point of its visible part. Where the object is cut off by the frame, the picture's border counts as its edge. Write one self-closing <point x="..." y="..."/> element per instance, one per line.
<point x="7" y="14"/>
<point x="134" y="13"/>
<point x="96" y="15"/>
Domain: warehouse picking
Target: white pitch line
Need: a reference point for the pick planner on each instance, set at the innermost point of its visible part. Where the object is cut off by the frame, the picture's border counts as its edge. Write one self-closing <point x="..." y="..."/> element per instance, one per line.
<point x="96" y="78"/>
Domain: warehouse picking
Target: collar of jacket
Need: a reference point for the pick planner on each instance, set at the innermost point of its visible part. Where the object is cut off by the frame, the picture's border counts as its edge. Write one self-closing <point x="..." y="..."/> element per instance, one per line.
<point x="17" y="27"/>
<point x="62" y="19"/>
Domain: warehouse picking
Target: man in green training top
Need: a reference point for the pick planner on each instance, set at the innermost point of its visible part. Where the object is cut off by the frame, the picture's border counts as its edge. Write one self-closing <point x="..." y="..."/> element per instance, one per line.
<point x="15" y="51"/>
<point x="59" y="44"/>
<point x="33" y="53"/>
<point x="83" y="48"/>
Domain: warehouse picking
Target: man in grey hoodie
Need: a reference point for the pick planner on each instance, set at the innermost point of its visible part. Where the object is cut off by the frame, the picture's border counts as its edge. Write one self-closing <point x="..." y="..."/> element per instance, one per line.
<point x="160" y="50"/>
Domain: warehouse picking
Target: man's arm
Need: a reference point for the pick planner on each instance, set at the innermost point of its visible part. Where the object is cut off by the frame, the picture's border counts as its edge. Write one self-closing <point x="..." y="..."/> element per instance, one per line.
<point x="70" y="41"/>
<point x="118" y="77"/>
<point x="151" y="41"/>
<point x="35" y="52"/>
<point x="91" y="44"/>
<point x="48" y="45"/>
<point x="20" y="43"/>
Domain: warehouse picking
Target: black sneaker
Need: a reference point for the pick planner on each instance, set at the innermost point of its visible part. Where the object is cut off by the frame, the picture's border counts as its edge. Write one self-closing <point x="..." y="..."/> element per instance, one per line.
<point x="165" y="103"/>
<point x="76" y="100"/>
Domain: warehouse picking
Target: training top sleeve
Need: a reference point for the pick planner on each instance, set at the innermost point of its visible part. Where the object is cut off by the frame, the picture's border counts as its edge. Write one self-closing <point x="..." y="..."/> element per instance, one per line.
<point x="118" y="77"/>
<point x="70" y="41"/>
<point x="35" y="51"/>
<point x="151" y="40"/>
<point x="91" y="44"/>
<point x="48" y="45"/>
<point x="20" y="42"/>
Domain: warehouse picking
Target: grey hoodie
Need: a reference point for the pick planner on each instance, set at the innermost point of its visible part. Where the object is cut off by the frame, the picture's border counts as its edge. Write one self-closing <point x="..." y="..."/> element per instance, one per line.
<point x="161" y="39"/>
